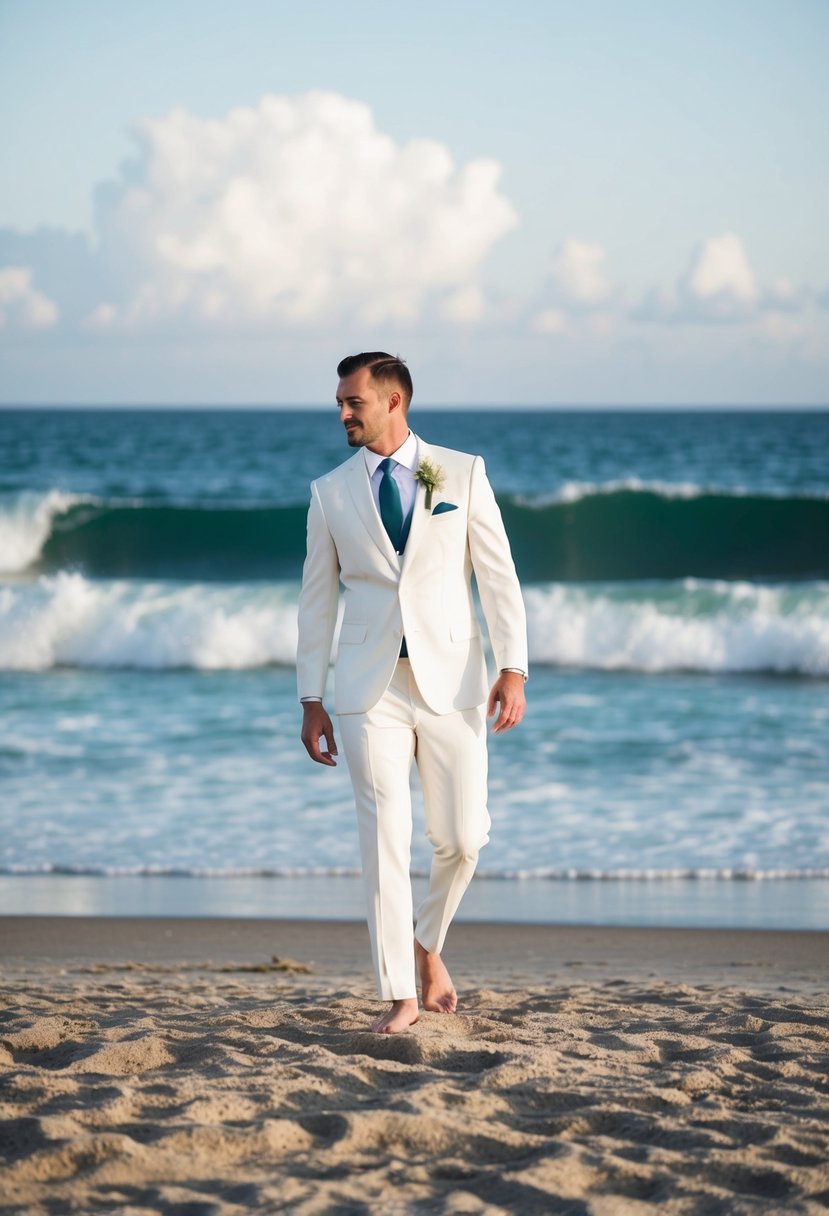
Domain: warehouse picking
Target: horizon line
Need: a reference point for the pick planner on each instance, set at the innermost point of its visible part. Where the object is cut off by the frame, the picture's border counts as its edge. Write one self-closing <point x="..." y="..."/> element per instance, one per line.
<point x="779" y="407"/>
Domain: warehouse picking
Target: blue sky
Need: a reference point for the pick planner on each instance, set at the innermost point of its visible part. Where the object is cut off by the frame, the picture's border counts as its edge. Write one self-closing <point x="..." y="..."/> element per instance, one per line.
<point x="594" y="203"/>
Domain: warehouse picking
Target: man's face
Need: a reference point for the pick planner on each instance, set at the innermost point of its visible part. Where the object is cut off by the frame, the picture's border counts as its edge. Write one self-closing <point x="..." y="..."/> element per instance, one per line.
<point x="364" y="411"/>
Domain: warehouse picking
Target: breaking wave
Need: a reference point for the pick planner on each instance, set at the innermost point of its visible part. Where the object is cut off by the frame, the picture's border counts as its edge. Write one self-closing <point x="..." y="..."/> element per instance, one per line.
<point x="620" y="530"/>
<point x="698" y="625"/>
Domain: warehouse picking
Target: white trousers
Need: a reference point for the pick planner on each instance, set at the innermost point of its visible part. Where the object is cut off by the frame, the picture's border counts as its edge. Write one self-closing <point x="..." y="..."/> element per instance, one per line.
<point x="451" y="757"/>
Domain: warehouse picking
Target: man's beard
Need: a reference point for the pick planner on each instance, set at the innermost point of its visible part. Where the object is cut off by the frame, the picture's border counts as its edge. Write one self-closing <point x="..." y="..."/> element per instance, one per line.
<point x="356" y="437"/>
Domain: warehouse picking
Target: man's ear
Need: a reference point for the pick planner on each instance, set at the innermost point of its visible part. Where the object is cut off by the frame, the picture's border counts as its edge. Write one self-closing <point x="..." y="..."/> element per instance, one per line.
<point x="395" y="401"/>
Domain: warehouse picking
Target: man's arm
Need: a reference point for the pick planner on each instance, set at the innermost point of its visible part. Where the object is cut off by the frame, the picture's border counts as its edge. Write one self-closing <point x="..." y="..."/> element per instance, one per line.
<point x="501" y="599"/>
<point x="317" y="620"/>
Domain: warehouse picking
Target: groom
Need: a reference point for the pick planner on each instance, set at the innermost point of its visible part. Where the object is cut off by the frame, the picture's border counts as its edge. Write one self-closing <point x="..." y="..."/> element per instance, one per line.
<point x="403" y="525"/>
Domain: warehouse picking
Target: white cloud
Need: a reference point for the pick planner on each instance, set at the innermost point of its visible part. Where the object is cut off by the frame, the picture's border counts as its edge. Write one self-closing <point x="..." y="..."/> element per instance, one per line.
<point x="578" y="272"/>
<point x="103" y="316"/>
<point x="551" y="321"/>
<point x="465" y="307"/>
<point x="297" y="209"/>
<point x="20" y="301"/>
<point x="576" y="291"/>
<point x="718" y="285"/>
<point x="781" y="326"/>
<point x="601" y="323"/>
<point x="783" y="296"/>
<point x="720" y="274"/>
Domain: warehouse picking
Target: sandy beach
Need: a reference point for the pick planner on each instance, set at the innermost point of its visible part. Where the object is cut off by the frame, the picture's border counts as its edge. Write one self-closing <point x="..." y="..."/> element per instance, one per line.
<point x="224" y="1066"/>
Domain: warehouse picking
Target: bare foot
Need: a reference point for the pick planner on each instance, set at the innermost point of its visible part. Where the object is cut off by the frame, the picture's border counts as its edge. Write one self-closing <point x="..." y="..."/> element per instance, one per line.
<point x="437" y="990"/>
<point x="402" y="1014"/>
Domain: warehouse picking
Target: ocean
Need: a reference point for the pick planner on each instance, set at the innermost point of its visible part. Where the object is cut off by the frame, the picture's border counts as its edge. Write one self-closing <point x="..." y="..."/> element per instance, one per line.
<point x="673" y="766"/>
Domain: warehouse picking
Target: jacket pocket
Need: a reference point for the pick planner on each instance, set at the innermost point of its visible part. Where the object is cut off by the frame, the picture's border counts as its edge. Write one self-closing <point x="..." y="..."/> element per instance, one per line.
<point x="461" y="631"/>
<point x="352" y="633"/>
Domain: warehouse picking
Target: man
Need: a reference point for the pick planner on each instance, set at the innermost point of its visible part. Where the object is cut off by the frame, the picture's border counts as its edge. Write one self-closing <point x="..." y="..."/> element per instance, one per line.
<point x="403" y="525"/>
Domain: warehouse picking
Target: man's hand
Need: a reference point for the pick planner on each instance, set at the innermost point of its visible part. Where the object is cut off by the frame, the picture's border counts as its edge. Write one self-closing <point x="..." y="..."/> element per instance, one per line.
<point x="316" y="725"/>
<point x="508" y="689"/>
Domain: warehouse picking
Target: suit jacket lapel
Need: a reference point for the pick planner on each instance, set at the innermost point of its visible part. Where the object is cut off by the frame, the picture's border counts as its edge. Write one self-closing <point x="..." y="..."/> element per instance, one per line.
<point x="420" y="515"/>
<point x="360" y="490"/>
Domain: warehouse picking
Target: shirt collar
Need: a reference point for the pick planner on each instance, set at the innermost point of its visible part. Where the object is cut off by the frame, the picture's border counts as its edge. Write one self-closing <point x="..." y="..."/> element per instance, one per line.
<point x="406" y="455"/>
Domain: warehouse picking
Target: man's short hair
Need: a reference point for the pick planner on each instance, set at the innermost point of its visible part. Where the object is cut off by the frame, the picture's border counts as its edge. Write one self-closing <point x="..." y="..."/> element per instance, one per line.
<point x="385" y="369"/>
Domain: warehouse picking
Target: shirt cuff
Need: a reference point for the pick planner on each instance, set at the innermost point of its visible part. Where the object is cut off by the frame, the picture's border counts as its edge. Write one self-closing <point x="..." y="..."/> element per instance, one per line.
<point x="518" y="671"/>
<point x="305" y="700"/>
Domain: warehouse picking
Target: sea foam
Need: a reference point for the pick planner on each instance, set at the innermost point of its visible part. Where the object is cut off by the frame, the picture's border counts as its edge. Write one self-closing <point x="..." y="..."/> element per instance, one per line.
<point x="575" y="491"/>
<point x="68" y="620"/>
<point x="689" y="624"/>
<point x="26" y="522"/>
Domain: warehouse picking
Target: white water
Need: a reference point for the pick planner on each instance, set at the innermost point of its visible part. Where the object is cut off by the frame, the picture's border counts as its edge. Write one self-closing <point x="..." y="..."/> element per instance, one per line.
<point x="691" y="624"/>
<point x="26" y="522"/>
<point x="574" y="491"/>
<point x="68" y="620"/>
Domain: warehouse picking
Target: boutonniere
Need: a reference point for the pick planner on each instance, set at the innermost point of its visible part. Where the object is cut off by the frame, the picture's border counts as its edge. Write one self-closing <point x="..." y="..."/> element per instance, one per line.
<point x="432" y="476"/>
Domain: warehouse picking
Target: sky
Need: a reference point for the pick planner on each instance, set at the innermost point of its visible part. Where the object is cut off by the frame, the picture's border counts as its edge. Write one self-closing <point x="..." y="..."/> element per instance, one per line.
<point x="534" y="203"/>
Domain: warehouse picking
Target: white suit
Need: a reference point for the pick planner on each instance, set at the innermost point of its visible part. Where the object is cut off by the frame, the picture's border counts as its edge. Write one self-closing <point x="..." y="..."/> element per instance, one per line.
<point x="431" y="705"/>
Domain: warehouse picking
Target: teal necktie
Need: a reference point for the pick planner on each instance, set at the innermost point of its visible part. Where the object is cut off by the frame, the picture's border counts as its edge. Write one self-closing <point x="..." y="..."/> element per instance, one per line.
<point x="391" y="509"/>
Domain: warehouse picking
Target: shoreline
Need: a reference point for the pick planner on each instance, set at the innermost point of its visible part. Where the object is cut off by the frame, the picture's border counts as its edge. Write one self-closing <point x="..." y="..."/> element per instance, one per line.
<point x="782" y="903"/>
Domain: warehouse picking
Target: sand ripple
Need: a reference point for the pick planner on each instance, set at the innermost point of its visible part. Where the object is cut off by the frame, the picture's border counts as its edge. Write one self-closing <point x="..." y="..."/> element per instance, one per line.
<point x="138" y="1091"/>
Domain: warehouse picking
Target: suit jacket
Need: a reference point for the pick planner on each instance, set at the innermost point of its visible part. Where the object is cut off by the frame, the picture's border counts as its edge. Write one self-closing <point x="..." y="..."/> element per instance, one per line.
<point x="425" y="594"/>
